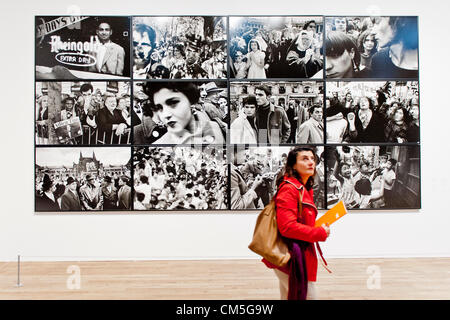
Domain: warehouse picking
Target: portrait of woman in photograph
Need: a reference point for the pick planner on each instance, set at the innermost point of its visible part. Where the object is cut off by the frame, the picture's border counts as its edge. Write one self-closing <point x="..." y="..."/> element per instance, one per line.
<point x="343" y="58"/>
<point x="255" y="60"/>
<point x="397" y="39"/>
<point x="176" y="105"/>
<point x="243" y="129"/>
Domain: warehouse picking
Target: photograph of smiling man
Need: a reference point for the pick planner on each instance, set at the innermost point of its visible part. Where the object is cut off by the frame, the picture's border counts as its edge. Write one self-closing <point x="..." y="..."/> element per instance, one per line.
<point x="73" y="47"/>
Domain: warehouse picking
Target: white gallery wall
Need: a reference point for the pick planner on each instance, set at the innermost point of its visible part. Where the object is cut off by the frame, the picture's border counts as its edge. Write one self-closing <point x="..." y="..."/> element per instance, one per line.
<point x="406" y="233"/>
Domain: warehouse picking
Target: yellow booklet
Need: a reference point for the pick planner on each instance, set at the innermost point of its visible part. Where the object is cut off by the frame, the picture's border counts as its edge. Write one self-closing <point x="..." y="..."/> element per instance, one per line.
<point x="332" y="215"/>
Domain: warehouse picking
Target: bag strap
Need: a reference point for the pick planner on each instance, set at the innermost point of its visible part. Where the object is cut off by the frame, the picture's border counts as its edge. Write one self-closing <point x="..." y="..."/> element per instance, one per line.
<point x="300" y="204"/>
<point x="323" y="261"/>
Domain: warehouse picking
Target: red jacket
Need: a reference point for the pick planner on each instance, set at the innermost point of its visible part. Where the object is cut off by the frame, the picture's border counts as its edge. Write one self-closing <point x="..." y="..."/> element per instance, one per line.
<point x="287" y="213"/>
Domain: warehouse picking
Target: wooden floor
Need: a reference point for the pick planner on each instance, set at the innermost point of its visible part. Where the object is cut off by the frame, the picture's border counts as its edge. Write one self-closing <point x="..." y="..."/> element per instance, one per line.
<point x="223" y="279"/>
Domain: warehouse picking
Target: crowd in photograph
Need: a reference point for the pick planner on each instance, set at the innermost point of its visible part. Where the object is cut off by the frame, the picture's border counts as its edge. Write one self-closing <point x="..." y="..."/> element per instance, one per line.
<point x="98" y="116"/>
<point x="180" y="178"/>
<point x="254" y="175"/>
<point x="371" y="47"/>
<point x="260" y="49"/>
<point x="361" y="177"/>
<point x="85" y="192"/>
<point x="376" y="116"/>
<point x="195" y="50"/>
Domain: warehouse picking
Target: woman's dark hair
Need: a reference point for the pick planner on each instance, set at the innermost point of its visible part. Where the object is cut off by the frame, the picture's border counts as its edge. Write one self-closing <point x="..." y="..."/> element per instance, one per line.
<point x="370" y="100"/>
<point x="250" y="44"/>
<point x="362" y="38"/>
<point x="363" y="186"/>
<point x="400" y="107"/>
<point x="140" y="196"/>
<point x="337" y="42"/>
<point x="251" y="99"/>
<point x="405" y="30"/>
<point x="180" y="48"/>
<point x="306" y="25"/>
<point x="144" y="179"/>
<point x="86" y="87"/>
<point x="393" y="162"/>
<point x="189" y="89"/>
<point x="291" y="160"/>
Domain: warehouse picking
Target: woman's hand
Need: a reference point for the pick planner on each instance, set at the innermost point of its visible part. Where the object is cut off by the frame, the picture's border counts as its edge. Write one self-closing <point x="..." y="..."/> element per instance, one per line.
<point x="351" y="121"/>
<point x="120" y="129"/>
<point x="326" y="227"/>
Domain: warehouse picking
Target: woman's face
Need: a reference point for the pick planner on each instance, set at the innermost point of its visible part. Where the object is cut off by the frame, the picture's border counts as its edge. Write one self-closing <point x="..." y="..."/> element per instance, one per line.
<point x="177" y="53"/>
<point x="415" y="112"/>
<point x="312" y="27"/>
<point x="369" y="42"/>
<point x="399" y="115"/>
<point x="364" y="103"/>
<point x="305" y="165"/>
<point x="44" y="102"/>
<point x="383" y="31"/>
<point x="306" y="42"/>
<point x="250" y="110"/>
<point x="340" y="67"/>
<point x="254" y="46"/>
<point x="122" y="105"/>
<point x="175" y="109"/>
<point x="222" y="103"/>
<point x="111" y="103"/>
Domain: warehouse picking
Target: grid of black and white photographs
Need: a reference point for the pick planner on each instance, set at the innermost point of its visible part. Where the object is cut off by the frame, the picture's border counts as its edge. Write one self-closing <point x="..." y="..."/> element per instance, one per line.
<point x="198" y="113"/>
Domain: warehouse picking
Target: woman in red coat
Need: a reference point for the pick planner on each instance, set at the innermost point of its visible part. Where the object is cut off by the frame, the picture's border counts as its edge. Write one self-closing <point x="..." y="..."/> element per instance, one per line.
<point x="298" y="175"/>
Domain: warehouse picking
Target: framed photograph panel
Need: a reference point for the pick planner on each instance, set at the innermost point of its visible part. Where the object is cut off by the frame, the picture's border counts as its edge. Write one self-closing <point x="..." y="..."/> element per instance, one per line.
<point x="254" y="173"/>
<point x="83" y="113"/>
<point x="276" y="47"/>
<point x="180" y="113"/>
<point x="374" y="177"/>
<point x="276" y="112"/>
<point x="83" y="179"/>
<point x="372" y="112"/>
<point x="183" y="47"/>
<point x="82" y="47"/>
<point x="372" y="47"/>
<point x="180" y="178"/>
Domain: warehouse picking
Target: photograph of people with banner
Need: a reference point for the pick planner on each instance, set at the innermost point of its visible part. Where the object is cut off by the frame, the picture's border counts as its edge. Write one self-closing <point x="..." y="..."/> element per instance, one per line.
<point x="82" y="47"/>
<point x="83" y="113"/>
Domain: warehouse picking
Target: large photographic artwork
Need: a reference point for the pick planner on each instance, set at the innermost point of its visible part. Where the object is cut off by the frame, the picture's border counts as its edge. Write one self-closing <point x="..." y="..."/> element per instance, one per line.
<point x="159" y="114"/>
